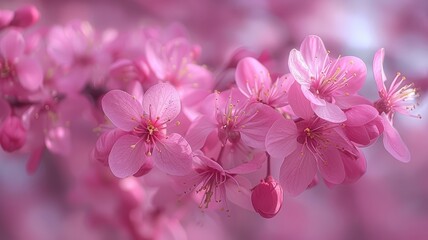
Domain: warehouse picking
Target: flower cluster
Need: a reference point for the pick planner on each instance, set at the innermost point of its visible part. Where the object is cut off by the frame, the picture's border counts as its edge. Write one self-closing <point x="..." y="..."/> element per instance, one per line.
<point x="156" y="110"/>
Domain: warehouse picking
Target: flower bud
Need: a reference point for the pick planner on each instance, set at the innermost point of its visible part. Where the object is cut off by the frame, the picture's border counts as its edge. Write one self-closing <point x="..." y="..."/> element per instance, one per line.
<point x="12" y="134"/>
<point x="267" y="197"/>
<point x="25" y="16"/>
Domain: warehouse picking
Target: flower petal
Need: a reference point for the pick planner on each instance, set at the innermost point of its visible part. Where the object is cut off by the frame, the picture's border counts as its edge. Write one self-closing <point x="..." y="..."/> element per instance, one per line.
<point x="354" y="168"/>
<point x="162" y="102"/>
<point x="331" y="166"/>
<point x="329" y="112"/>
<point x="199" y="131"/>
<point x="297" y="171"/>
<point x="253" y="128"/>
<point x="393" y="142"/>
<point x="312" y="98"/>
<point x="252" y="77"/>
<point x="173" y="155"/>
<point x="127" y="156"/>
<point x="298" y="68"/>
<point x="360" y="115"/>
<point x="313" y="52"/>
<point x="12" y="45"/>
<point x="123" y="110"/>
<point x="378" y="71"/>
<point x="156" y="63"/>
<point x="299" y="103"/>
<point x="351" y="72"/>
<point x="30" y="73"/>
<point x="238" y="192"/>
<point x="281" y="139"/>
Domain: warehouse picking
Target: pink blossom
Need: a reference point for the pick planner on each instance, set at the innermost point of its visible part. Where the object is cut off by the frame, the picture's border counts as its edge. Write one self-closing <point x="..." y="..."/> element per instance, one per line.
<point x="78" y="59"/>
<point x="306" y="146"/>
<point x="215" y="185"/>
<point x="175" y="62"/>
<point x="234" y="119"/>
<point x="395" y="99"/>
<point x="12" y="134"/>
<point x="329" y="84"/>
<point x="145" y="124"/>
<point x="19" y="72"/>
<point x="254" y="81"/>
<point x="267" y="197"/>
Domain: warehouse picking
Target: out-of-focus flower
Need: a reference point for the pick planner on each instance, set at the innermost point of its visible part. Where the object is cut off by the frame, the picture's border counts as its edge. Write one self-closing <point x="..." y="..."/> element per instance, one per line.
<point x="18" y="72"/>
<point x="145" y="126"/>
<point x="12" y="134"/>
<point x="267" y="197"/>
<point x="329" y="84"/>
<point x="395" y="99"/>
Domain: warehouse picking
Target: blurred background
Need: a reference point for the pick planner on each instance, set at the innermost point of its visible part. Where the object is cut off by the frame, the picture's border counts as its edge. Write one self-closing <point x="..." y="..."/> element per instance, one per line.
<point x="389" y="202"/>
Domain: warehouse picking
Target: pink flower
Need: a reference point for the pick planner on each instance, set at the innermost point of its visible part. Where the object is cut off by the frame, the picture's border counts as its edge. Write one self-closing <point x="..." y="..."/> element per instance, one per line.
<point x="174" y="62"/>
<point x="25" y="16"/>
<point x="308" y="145"/>
<point x="146" y="126"/>
<point x="17" y="69"/>
<point x="12" y="134"/>
<point x="79" y="59"/>
<point x="234" y="119"/>
<point x="395" y="99"/>
<point x="329" y="84"/>
<point x="215" y="185"/>
<point x="254" y="81"/>
<point x="267" y="197"/>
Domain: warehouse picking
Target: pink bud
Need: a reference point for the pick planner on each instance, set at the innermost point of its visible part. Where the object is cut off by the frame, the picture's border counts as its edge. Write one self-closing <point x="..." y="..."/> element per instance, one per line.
<point x="25" y="16"/>
<point x="12" y="134"/>
<point x="267" y="197"/>
<point x="6" y="17"/>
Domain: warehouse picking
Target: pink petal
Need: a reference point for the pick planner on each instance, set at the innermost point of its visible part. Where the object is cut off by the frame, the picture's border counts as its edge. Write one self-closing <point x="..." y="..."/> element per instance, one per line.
<point x="162" y="102"/>
<point x="299" y="103"/>
<point x="238" y="192"/>
<point x="154" y="59"/>
<point x="248" y="167"/>
<point x="254" y="128"/>
<point x="199" y="131"/>
<point x="358" y="135"/>
<point x="312" y="98"/>
<point x="251" y="77"/>
<point x="297" y="171"/>
<point x="330" y="112"/>
<point x="173" y="155"/>
<point x="127" y="156"/>
<point x="59" y="47"/>
<point x="281" y="140"/>
<point x="208" y="162"/>
<point x="393" y="142"/>
<point x="30" y="73"/>
<point x="123" y="110"/>
<point x="298" y="68"/>
<point x="355" y="168"/>
<point x="378" y="71"/>
<point x="331" y="166"/>
<point x="279" y="91"/>
<point x="354" y="70"/>
<point x="12" y="45"/>
<point x="345" y="102"/>
<point x="360" y="115"/>
<point x="313" y="52"/>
